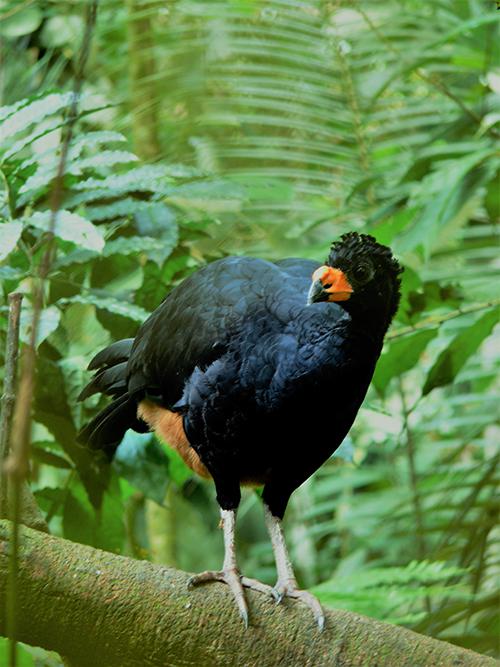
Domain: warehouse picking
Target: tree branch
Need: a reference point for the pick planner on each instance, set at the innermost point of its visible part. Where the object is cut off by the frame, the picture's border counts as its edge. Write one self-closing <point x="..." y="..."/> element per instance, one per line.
<point x="102" y="609"/>
<point x="8" y="399"/>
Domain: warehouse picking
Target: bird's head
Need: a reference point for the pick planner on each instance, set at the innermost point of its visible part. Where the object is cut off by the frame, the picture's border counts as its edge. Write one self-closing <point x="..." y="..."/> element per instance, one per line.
<point x="361" y="274"/>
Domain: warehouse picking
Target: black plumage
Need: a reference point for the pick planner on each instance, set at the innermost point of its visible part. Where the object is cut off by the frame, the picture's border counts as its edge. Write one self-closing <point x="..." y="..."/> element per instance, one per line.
<point x="267" y="384"/>
<point x="113" y="354"/>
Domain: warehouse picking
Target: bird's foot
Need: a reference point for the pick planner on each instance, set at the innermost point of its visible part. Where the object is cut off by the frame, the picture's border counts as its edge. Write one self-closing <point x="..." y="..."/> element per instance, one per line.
<point x="289" y="589"/>
<point x="236" y="583"/>
<point x="230" y="577"/>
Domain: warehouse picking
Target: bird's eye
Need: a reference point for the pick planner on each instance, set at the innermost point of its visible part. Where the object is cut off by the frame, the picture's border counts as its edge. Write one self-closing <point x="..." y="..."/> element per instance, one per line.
<point x="362" y="273"/>
<point x="327" y="285"/>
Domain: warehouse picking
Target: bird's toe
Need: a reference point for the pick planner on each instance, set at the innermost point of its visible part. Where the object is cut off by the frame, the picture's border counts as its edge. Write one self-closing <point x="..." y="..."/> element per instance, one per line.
<point x="283" y="590"/>
<point x="258" y="586"/>
<point x="205" y="577"/>
<point x="230" y="577"/>
<point x="313" y="604"/>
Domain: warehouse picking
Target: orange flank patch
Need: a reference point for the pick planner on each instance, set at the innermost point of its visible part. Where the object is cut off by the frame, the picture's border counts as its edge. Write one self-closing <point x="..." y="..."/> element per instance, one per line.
<point x="168" y="427"/>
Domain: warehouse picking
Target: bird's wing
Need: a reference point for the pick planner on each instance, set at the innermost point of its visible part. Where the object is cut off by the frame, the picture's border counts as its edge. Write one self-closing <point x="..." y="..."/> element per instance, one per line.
<point x="197" y="320"/>
<point x="297" y="268"/>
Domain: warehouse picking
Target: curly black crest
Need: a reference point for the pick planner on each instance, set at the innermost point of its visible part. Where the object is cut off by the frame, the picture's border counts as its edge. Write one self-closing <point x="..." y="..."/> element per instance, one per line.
<point x="353" y="246"/>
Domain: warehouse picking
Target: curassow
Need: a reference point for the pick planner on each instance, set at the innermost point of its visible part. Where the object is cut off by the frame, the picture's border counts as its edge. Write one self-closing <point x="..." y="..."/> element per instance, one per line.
<point x="254" y="372"/>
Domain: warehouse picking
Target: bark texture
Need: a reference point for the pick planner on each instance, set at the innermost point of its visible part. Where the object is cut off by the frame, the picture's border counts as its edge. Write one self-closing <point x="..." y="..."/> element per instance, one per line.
<point x="98" y="608"/>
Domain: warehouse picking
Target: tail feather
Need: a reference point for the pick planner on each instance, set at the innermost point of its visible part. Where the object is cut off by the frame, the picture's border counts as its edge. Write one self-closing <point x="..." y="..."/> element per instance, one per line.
<point x="106" y="430"/>
<point x="110" y="381"/>
<point x="113" y="354"/>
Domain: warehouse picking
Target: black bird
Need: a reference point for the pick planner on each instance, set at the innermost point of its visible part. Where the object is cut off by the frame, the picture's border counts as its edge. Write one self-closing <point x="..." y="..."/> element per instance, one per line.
<point x="254" y="372"/>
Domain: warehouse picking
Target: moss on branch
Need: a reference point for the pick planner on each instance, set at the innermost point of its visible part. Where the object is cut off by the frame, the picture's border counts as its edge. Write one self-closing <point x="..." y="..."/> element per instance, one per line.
<point x="98" y="608"/>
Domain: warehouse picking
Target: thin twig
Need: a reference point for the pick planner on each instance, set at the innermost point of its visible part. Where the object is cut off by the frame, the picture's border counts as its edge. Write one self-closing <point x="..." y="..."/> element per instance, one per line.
<point x="17" y="464"/>
<point x="8" y="396"/>
<point x="434" y="321"/>
<point x="8" y="403"/>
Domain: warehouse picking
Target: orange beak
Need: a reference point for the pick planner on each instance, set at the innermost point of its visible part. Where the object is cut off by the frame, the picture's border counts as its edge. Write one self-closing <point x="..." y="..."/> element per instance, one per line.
<point x="329" y="284"/>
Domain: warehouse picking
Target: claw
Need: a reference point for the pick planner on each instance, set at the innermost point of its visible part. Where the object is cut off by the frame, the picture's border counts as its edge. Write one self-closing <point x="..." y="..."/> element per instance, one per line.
<point x="290" y="591"/>
<point x="313" y="604"/>
<point x="280" y="594"/>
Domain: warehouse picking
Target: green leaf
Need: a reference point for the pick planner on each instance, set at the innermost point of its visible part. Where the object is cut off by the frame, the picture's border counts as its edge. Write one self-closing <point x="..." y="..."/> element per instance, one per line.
<point x="93" y="140"/>
<point x="76" y="256"/>
<point x="150" y="178"/>
<point x="141" y="460"/>
<point x="21" y="22"/>
<point x="401" y="355"/>
<point x="12" y="274"/>
<point x="128" y="310"/>
<point x="103" y="528"/>
<point x="70" y="227"/>
<point x="8" y="110"/>
<point x="106" y="159"/>
<point x="46" y="170"/>
<point x="378" y="591"/>
<point x="212" y="196"/>
<point x="10" y="233"/>
<point x="110" y="533"/>
<point x="49" y="458"/>
<point x="62" y="29"/>
<point x="393" y="225"/>
<point x="453" y="358"/>
<point x="124" y="207"/>
<point x="178" y="471"/>
<point x="156" y="249"/>
<point x="48" y="323"/>
<point x="131" y="245"/>
<point x="53" y="409"/>
<point x="14" y="151"/>
<point x="264" y="189"/>
<point x="50" y="500"/>
<point x="23" y="657"/>
<point x="34" y="110"/>
<point x="84" y="333"/>
<point x="158" y="221"/>
<point x="444" y="193"/>
<point x="78" y="520"/>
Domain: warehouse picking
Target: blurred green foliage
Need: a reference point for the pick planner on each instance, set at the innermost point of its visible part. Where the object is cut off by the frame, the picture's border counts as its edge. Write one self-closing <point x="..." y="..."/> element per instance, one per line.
<point x="269" y="128"/>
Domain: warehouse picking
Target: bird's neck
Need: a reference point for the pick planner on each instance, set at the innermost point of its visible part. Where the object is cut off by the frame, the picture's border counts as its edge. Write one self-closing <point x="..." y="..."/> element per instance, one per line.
<point x="368" y="321"/>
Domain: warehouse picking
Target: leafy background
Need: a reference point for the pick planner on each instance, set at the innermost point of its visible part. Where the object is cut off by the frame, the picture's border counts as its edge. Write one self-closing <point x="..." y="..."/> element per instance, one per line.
<point x="269" y="128"/>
